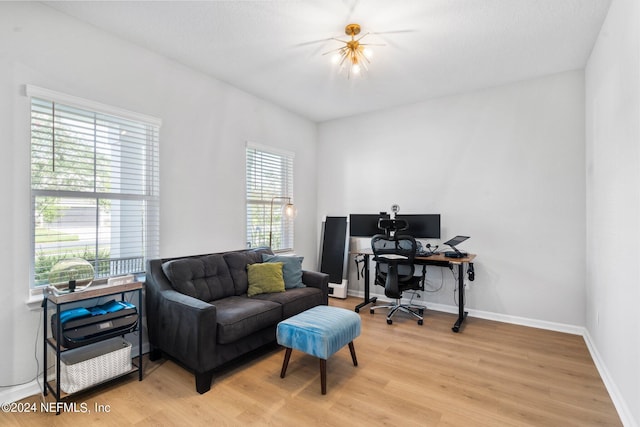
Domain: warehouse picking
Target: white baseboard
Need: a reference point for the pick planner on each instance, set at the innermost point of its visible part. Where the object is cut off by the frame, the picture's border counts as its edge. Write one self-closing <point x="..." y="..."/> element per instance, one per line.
<point x="618" y="401"/>
<point x="19" y="392"/>
<point x="516" y="320"/>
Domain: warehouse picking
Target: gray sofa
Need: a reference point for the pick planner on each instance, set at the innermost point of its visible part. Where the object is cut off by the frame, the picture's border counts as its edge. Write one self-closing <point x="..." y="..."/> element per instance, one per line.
<point x="199" y="314"/>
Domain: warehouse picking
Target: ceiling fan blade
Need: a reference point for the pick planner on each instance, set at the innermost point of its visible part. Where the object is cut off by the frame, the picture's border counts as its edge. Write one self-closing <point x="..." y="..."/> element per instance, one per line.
<point x="334" y="50"/>
<point x="312" y="42"/>
<point x="393" y="32"/>
<point x="363" y="36"/>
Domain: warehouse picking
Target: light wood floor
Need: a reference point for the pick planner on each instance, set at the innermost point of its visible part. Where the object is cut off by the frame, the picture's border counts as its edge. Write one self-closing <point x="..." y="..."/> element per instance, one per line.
<point x="490" y="374"/>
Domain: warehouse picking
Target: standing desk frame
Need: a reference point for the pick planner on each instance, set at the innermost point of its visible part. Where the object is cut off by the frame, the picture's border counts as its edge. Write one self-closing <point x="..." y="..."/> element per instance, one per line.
<point x="438" y="260"/>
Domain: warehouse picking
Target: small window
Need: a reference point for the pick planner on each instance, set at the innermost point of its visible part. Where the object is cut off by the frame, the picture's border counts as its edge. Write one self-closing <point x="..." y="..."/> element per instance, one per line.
<point x="269" y="194"/>
<point x="94" y="186"/>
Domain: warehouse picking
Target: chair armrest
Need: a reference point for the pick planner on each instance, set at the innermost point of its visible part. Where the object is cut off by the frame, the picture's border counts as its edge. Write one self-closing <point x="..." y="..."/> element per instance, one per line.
<point x="315" y="279"/>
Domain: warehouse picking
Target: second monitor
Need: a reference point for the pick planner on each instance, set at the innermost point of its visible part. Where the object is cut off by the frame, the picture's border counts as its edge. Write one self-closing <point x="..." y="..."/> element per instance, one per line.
<point x="365" y="225"/>
<point x="422" y="226"/>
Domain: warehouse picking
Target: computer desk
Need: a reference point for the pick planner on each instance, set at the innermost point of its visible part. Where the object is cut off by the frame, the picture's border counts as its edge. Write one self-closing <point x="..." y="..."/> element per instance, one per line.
<point x="438" y="260"/>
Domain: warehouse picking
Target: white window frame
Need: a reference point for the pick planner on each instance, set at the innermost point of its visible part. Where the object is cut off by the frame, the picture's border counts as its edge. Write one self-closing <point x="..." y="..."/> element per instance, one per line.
<point x="149" y="197"/>
<point x="266" y="198"/>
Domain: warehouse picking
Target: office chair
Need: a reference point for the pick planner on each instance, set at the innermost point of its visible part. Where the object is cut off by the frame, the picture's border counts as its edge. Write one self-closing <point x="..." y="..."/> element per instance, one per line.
<point x="394" y="256"/>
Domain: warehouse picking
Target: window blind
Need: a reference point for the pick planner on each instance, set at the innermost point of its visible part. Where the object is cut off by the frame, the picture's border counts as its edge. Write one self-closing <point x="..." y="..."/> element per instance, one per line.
<point x="269" y="178"/>
<point x="94" y="188"/>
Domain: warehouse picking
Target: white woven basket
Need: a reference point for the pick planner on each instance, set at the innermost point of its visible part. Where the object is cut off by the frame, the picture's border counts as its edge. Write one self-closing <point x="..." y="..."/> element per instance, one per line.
<point x="86" y="366"/>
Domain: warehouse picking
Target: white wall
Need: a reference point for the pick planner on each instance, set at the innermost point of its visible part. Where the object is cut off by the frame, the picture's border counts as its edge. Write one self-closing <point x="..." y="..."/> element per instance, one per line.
<point x="205" y="126"/>
<point x="503" y="165"/>
<point x="613" y="203"/>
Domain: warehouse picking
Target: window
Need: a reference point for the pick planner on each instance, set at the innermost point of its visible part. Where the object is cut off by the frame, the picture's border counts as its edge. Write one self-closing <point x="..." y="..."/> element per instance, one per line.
<point x="94" y="185"/>
<point x="269" y="190"/>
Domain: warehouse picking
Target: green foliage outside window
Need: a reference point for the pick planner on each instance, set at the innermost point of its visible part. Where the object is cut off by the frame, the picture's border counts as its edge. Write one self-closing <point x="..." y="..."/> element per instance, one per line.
<point x="44" y="263"/>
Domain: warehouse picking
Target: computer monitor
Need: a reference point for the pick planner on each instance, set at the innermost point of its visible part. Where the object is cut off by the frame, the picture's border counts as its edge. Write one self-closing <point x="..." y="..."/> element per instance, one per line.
<point x="365" y="225"/>
<point x="422" y="226"/>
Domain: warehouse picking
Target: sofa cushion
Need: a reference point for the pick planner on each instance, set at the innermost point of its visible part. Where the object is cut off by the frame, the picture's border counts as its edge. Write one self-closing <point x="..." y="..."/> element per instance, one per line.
<point x="242" y="316"/>
<point x="265" y="278"/>
<point x="291" y="269"/>
<point x="294" y="301"/>
<point x="237" y="263"/>
<point x="206" y="278"/>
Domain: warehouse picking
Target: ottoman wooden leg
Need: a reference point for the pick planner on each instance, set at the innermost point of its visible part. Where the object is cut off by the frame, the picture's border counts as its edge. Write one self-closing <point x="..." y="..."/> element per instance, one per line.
<point x="285" y="363"/>
<point x="332" y="327"/>
<point x="323" y="376"/>
<point x="352" y="349"/>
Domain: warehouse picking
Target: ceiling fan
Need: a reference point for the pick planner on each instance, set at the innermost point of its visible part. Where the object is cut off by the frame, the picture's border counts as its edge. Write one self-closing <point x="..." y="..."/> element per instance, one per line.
<point x="354" y="53"/>
<point x="353" y="56"/>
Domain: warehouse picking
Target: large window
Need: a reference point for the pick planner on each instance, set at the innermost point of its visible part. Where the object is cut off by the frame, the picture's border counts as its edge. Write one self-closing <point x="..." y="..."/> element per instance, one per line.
<point x="269" y="190"/>
<point x="94" y="185"/>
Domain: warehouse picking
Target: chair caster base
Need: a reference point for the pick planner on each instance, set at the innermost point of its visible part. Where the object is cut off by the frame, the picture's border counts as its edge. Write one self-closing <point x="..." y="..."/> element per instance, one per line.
<point x="416" y="311"/>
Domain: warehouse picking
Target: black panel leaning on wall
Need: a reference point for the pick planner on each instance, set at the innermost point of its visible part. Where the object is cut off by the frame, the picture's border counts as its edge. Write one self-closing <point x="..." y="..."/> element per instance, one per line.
<point x="333" y="247"/>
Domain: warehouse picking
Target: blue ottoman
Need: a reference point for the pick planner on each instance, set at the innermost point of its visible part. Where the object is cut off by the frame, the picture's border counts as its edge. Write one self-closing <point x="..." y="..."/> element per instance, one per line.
<point x="320" y="332"/>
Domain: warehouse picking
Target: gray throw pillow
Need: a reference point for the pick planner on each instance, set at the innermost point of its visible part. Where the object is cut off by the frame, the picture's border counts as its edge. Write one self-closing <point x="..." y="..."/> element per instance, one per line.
<point x="291" y="269"/>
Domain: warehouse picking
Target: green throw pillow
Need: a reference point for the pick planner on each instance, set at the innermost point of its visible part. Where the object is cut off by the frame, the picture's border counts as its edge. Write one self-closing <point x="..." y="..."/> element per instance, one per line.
<point x="291" y="269"/>
<point x="265" y="278"/>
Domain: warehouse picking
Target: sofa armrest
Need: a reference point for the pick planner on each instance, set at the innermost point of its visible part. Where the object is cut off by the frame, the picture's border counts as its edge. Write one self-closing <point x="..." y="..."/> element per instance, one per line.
<point x="187" y="329"/>
<point x="180" y="325"/>
<point x="318" y="280"/>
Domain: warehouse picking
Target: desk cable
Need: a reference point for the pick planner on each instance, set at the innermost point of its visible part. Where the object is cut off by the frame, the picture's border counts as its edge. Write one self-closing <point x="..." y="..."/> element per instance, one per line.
<point x="439" y="287"/>
<point x="455" y="289"/>
<point x="35" y="356"/>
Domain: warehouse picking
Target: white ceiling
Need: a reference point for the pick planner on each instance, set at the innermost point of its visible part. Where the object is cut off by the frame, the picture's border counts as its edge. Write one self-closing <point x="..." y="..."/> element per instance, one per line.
<point x="273" y="48"/>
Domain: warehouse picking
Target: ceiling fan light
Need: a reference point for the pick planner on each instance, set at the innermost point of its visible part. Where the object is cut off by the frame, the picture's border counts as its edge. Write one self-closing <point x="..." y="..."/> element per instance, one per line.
<point x="352" y="55"/>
